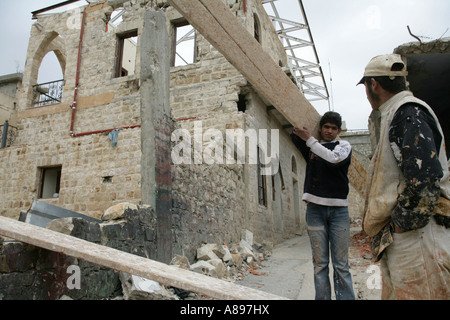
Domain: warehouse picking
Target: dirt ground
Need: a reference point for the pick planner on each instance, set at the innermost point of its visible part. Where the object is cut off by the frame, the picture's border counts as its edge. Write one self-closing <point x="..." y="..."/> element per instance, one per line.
<point x="366" y="274"/>
<point x="288" y="271"/>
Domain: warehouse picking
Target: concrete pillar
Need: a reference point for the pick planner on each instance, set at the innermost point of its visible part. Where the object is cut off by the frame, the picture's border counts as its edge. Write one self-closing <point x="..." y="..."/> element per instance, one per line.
<point x="156" y="126"/>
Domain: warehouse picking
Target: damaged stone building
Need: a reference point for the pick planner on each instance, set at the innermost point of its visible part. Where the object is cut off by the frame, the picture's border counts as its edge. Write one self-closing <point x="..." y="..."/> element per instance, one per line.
<point x="82" y="144"/>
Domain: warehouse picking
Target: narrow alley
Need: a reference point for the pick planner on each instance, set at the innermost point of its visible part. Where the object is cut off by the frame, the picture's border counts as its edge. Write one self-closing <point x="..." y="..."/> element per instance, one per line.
<point x="288" y="272"/>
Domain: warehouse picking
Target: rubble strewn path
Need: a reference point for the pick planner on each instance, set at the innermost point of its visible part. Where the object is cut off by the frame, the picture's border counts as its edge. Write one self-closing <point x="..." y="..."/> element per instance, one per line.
<point x="288" y="272"/>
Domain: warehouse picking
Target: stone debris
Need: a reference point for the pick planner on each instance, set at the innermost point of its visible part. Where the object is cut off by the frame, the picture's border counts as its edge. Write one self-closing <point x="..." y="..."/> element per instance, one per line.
<point x="116" y="212"/>
<point x="63" y="225"/>
<point x="130" y="228"/>
<point x="137" y="288"/>
<point x="229" y="263"/>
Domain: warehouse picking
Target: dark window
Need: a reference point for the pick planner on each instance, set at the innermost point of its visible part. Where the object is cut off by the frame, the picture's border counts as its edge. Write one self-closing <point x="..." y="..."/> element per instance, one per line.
<point x="49" y="182"/>
<point x="257" y="28"/>
<point x="262" y="187"/>
<point x="242" y="103"/>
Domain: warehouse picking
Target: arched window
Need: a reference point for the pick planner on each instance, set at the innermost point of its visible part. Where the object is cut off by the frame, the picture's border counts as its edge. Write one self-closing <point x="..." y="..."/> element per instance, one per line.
<point x="47" y="71"/>
<point x="50" y="69"/>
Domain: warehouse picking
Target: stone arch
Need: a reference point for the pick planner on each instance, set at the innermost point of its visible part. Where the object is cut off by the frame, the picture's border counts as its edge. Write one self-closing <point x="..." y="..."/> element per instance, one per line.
<point x="51" y="41"/>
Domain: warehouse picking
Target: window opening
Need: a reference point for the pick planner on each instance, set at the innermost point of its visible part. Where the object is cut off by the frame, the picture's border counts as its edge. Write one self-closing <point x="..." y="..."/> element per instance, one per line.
<point x="50" y="80"/>
<point x="294" y="165"/>
<point x="126" y="53"/>
<point x="50" y="182"/>
<point x="107" y="179"/>
<point x="262" y="187"/>
<point x="116" y="17"/>
<point x="184" y="45"/>
<point x="283" y="186"/>
<point x="257" y="28"/>
<point x="242" y="103"/>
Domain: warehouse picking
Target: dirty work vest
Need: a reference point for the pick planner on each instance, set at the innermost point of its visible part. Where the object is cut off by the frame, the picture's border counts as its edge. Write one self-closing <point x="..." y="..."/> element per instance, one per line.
<point x="385" y="180"/>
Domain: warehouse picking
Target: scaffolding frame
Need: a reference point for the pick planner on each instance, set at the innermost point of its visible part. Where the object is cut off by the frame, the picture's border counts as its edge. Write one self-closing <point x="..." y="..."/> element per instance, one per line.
<point x="308" y="73"/>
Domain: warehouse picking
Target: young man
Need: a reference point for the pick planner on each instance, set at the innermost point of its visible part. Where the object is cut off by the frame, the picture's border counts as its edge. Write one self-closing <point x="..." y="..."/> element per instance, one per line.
<point x="407" y="205"/>
<point x="325" y="191"/>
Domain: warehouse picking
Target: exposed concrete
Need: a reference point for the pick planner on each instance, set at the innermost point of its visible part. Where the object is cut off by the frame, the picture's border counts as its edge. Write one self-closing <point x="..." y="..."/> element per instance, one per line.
<point x="156" y="125"/>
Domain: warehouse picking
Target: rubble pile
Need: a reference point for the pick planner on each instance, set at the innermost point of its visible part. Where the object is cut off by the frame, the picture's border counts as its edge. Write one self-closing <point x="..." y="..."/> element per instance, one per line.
<point x="214" y="260"/>
<point x="41" y="274"/>
<point x="227" y="263"/>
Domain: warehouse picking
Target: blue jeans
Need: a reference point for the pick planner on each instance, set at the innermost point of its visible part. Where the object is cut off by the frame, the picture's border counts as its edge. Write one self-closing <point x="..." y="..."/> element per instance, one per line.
<point x="329" y="230"/>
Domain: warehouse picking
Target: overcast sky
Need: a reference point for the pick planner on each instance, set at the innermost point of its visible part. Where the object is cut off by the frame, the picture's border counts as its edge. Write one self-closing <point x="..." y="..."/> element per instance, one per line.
<point x="347" y="34"/>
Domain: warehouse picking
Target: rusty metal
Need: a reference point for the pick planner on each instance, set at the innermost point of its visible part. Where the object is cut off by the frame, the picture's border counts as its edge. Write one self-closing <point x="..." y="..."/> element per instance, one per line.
<point x="55" y="6"/>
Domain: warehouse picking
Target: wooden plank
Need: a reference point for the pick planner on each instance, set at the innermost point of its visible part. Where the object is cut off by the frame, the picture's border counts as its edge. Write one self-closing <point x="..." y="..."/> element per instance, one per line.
<point x="215" y="21"/>
<point x="224" y="31"/>
<point x="126" y="262"/>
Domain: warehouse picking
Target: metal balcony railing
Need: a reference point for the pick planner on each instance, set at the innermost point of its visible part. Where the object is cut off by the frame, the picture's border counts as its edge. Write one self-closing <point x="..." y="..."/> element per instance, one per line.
<point x="8" y="134"/>
<point x="47" y="93"/>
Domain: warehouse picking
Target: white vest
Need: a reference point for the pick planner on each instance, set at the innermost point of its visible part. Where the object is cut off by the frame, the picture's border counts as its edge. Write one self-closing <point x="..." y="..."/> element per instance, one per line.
<point x="385" y="180"/>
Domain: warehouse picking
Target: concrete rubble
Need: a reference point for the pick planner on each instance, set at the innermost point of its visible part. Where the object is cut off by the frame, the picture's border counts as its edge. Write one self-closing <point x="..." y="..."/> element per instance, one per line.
<point x="124" y="226"/>
<point x="230" y="263"/>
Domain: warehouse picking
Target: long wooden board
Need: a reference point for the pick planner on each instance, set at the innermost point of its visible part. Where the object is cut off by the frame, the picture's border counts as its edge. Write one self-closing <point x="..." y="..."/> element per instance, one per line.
<point x="126" y="262"/>
<point x="215" y="21"/>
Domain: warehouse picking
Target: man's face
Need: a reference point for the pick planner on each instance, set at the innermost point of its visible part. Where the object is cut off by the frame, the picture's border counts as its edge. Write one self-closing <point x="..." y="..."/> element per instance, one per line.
<point x="374" y="99"/>
<point x="329" y="131"/>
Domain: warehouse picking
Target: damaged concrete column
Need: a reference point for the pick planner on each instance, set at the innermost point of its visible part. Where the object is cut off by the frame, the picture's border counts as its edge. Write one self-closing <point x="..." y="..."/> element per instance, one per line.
<point x="156" y="126"/>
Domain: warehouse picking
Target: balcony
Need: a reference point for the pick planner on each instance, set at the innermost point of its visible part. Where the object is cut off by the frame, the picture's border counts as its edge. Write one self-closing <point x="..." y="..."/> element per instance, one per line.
<point x="48" y="93"/>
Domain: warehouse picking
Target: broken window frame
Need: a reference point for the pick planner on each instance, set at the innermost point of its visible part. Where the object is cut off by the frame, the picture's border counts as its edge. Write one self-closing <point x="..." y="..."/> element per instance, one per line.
<point x="44" y="179"/>
<point x="175" y="43"/>
<point x="119" y="71"/>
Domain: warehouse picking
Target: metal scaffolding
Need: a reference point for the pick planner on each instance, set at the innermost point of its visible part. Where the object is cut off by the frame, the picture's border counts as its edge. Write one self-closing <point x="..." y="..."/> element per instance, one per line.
<point x="299" y="45"/>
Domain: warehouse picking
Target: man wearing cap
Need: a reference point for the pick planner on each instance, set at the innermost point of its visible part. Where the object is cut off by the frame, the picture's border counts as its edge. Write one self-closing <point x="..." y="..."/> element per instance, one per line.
<point x="407" y="209"/>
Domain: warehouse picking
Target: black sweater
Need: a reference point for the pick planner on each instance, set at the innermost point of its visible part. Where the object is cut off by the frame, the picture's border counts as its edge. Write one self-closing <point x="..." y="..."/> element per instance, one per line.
<point x="327" y="163"/>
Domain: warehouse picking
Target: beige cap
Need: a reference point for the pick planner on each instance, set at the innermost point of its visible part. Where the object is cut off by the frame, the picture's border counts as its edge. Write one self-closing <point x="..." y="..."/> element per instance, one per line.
<point x="388" y="65"/>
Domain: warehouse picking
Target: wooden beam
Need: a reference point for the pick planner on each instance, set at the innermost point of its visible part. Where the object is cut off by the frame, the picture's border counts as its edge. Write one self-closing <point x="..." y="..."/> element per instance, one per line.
<point x="215" y="21"/>
<point x="129" y="263"/>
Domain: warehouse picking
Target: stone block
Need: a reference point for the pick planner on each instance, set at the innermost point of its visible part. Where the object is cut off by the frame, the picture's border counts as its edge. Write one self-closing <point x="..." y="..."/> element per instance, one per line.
<point x="206" y="253"/>
<point x="180" y="261"/>
<point x="137" y="288"/>
<point x="16" y="256"/>
<point x="220" y="271"/>
<point x="63" y="225"/>
<point x="245" y="249"/>
<point x="202" y="267"/>
<point x="247" y="236"/>
<point x="117" y="211"/>
<point x="237" y="258"/>
<point x="222" y="252"/>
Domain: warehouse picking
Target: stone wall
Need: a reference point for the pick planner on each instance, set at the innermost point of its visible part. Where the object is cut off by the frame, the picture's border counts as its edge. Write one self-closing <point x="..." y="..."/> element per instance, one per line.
<point x="32" y="273"/>
<point x="211" y="203"/>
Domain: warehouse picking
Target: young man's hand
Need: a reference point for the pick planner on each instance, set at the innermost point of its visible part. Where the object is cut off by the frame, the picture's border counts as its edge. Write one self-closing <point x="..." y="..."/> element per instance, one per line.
<point x="302" y="133"/>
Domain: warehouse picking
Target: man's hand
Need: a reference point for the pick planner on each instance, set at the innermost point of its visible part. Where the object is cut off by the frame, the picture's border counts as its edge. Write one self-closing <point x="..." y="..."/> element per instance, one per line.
<point x="302" y="133"/>
<point x="397" y="229"/>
